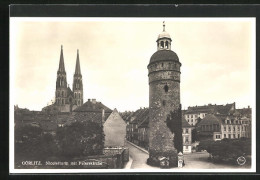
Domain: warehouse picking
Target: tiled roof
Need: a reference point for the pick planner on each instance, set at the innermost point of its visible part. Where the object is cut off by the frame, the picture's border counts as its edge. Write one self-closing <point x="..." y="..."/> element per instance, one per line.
<point x="210" y="119"/>
<point x="217" y="109"/>
<point x="92" y="106"/>
<point x="245" y="112"/>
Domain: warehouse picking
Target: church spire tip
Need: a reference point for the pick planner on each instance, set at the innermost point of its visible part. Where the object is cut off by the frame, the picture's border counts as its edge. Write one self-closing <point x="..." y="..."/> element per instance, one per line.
<point x="163" y="25"/>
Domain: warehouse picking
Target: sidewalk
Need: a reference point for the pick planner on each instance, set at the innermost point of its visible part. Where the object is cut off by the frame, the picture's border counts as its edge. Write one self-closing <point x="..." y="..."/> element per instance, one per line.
<point x="138" y="147"/>
<point x="129" y="163"/>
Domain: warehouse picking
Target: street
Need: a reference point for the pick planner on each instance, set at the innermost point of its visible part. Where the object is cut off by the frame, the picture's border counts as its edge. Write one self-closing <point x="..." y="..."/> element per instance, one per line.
<point x="198" y="160"/>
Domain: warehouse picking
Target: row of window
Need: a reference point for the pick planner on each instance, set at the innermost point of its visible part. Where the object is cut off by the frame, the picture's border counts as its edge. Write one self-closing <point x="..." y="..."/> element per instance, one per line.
<point x="234" y="128"/>
<point x="62" y="94"/>
<point x="194" y="115"/>
<point x="60" y="101"/>
<point x="214" y="127"/>
<point x="231" y="136"/>
<point x="163" y="44"/>
<point x="77" y="95"/>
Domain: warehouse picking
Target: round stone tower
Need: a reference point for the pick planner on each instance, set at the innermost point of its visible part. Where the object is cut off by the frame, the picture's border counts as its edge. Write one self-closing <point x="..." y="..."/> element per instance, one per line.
<point x="164" y="98"/>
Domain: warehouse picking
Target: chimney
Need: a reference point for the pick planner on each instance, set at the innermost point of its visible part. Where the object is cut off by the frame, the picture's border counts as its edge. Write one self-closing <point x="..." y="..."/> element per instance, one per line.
<point x="88" y="100"/>
<point x="94" y="101"/>
<point x="248" y="107"/>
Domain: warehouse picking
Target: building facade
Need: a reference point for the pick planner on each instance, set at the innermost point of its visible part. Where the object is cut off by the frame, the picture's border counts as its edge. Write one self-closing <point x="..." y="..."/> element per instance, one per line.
<point x="218" y="127"/>
<point x="196" y="113"/>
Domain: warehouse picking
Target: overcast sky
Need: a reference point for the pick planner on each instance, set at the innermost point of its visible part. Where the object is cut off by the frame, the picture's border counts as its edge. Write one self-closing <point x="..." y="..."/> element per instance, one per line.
<point x="216" y="57"/>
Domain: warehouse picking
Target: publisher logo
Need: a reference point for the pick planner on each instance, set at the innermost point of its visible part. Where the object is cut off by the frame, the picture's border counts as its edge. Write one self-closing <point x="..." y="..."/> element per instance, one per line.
<point x="241" y="160"/>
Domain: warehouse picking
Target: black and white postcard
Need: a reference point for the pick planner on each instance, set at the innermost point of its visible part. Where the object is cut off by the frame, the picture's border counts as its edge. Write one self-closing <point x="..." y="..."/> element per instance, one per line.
<point x="132" y="94"/>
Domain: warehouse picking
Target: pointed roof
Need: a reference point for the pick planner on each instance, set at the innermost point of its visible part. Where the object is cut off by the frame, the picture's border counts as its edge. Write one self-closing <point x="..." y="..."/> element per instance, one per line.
<point x="61" y="65"/>
<point x="77" y="68"/>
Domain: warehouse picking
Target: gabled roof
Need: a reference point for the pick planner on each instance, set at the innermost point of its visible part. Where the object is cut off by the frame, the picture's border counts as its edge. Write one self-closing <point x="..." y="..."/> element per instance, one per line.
<point x="224" y="109"/>
<point x="92" y="106"/>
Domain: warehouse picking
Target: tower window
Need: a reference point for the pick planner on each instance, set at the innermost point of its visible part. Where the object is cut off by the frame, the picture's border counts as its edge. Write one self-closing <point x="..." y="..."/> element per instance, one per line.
<point x="166" y="45"/>
<point x="162" y="44"/>
<point x="163" y="102"/>
<point x="79" y="95"/>
<point x="62" y="93"/>
<point x="166" y="88"/>
<point x="162" y="64"/>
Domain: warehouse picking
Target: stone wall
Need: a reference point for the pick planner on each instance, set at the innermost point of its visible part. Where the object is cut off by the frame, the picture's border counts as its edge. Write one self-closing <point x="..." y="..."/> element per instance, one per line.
<point x="164" y="97"/>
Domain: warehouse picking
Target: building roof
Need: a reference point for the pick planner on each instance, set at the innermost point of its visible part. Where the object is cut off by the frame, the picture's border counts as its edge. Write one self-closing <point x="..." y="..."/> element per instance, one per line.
<point x="77" y="68"/>
<point x="217" y="109"/>
<point x="164" y="55"/>
<point x="164" y="34"/>
<point x="92" y="106"/>
<point x="185" y="123"/>
<point x="69" y="92"/>
<point x="61" y="64"/>
<point x="210" y="119"/>
<point x="245" y="112"/>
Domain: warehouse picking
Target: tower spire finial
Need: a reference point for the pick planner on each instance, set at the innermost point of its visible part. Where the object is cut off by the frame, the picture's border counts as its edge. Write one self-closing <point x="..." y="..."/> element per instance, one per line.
<point x="163" y="25"/>
<point x="61" y="46"/>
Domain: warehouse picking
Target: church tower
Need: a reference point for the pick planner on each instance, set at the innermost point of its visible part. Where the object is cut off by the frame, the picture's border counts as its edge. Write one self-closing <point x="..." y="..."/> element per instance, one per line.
<point x="61" y="83"/>
<point x="77" y="84"/>
<point x="164" y="99"/>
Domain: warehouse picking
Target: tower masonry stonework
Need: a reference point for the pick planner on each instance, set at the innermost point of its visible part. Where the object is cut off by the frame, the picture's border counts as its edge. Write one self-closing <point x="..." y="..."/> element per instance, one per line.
<point x="164" y="98"/>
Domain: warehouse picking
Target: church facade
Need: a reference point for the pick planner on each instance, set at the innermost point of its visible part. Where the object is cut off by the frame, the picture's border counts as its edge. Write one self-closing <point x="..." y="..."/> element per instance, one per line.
<point x="66" y="100"/>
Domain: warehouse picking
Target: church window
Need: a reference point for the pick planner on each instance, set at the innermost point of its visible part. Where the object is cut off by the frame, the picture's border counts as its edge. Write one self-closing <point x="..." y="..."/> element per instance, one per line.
<point x="79" y="95"/>
<point x="62" y="101"/>
<point x="78" y="102"/>
<point x="166" y="88"/>
<point x="62" y="93"/>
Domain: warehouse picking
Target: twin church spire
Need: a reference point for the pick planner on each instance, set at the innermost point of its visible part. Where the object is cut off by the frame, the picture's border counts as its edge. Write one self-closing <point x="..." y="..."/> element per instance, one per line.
<point x="64" y="95"/>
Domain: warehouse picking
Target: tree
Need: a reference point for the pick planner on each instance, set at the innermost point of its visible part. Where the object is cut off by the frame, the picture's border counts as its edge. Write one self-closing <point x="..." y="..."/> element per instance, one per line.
<point x="32" y="143"/>
<point x="227" y="149"/>
<point x="174" y="123"/>
<point x="194" y="135"/>
<point x="81" y="138"/>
